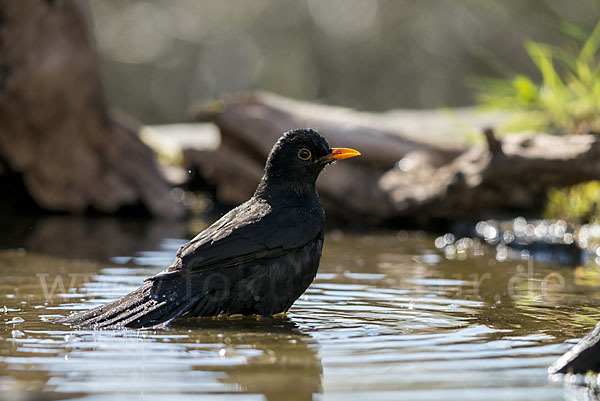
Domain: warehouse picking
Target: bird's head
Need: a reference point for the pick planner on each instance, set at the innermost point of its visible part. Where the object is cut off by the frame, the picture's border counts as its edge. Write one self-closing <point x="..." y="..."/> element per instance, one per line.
<point x="298" y="157"/>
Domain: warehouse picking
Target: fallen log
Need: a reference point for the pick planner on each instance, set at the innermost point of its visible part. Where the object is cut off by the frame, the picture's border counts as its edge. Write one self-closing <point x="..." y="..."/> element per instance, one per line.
<point x="253" y="122"/>
<point x="397" y="178"/>
<point x="56" y="133"/>
<point x="510" y="174"/>
<point x="250" y="124"/>
<point x="233" y="174"/>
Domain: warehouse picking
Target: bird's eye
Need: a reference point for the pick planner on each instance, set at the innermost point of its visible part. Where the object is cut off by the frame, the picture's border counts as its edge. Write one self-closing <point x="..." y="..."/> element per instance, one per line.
<point x="304" y="154"/>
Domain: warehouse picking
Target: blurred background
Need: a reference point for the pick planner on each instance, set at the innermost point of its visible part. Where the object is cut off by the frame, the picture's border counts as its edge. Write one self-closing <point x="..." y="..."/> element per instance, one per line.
<point x="157" y="57"/>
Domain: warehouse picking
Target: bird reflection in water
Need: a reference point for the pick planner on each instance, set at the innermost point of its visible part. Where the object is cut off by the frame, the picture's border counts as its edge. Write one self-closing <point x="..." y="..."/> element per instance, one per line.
<point x="279" y="360"/>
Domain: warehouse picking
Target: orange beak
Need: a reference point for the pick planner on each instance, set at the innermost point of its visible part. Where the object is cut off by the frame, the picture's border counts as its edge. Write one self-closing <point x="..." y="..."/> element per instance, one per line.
<point x="339" y="154"/>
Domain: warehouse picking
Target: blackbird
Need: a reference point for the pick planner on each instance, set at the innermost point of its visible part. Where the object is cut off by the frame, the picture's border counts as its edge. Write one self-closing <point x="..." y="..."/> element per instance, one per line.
<point x="255" y="260"/>
<point x="582" y="358"/>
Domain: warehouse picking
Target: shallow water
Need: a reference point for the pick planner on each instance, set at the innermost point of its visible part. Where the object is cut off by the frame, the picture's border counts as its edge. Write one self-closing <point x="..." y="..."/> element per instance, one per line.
<point x="388" y="317"/>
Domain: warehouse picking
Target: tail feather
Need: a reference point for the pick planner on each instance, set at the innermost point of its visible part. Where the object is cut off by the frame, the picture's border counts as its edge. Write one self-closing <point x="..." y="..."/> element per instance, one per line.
<point x="137" y="309"/>
<point x="111" y="312"/>
<point x="180" y="310"/>
<point x="125" y="317"/>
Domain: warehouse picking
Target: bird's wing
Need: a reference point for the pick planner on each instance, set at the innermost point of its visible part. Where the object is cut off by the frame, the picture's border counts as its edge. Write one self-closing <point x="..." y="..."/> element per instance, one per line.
<point x="251" y="231"/>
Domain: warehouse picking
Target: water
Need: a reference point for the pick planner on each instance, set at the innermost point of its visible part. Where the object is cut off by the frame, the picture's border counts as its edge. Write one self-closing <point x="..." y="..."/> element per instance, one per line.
<point x="388" y="318"/>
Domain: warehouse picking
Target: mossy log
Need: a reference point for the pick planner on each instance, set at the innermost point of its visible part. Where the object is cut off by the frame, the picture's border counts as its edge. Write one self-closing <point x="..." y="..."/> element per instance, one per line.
<point x="55" y="129"/>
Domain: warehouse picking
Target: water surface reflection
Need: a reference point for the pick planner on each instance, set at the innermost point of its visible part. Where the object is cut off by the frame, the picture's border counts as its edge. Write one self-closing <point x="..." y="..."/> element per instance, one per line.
<point x="388" y="317"/>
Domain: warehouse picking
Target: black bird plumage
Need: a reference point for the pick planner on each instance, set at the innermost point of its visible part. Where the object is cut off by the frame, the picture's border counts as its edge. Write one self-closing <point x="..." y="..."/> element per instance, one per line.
<point x="256" y="259"/>
<point x="582" y="358"/>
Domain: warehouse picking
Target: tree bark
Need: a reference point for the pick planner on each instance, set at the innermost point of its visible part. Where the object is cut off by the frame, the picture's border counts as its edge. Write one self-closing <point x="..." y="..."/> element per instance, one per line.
<point x="55" y="129"/>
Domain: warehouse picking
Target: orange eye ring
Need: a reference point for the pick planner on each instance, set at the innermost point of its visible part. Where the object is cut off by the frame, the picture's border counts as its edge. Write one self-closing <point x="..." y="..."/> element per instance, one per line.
<point x="304" y="154"/>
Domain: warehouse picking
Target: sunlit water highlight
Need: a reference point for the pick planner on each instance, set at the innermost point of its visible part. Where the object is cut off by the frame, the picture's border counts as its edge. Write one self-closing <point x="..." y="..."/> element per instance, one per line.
<point x="388" y="317"/>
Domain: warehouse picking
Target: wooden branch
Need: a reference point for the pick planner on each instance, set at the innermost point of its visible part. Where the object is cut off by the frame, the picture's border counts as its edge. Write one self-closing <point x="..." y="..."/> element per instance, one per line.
<point x="56" y="130"/>
<point x="494" y="145"/>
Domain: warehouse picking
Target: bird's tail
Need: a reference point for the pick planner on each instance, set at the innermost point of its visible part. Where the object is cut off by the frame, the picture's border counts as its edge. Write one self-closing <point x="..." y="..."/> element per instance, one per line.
<point x="138" y="309"/>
